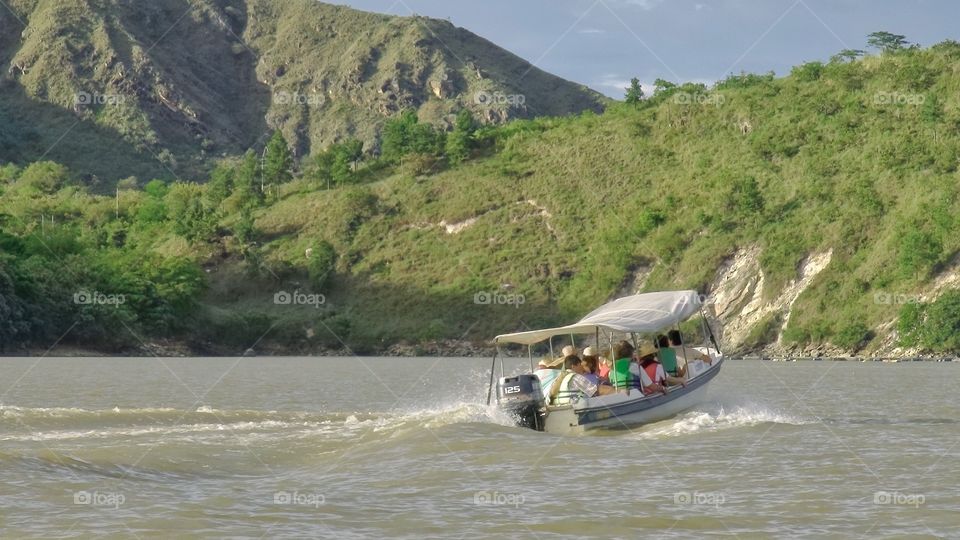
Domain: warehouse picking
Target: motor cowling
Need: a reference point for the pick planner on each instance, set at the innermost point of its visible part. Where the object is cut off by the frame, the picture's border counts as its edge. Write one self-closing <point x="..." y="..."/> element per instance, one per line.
<point x="522" y="398"/>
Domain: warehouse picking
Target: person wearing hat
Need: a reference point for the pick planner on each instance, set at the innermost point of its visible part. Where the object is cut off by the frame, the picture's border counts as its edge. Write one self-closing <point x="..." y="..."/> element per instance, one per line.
<point x="591" y="363"/>
<point x="628" y="373"/>
<point x="572" y="383"/>
<point x="653" y="370"/>
<point x="547" y="371"/>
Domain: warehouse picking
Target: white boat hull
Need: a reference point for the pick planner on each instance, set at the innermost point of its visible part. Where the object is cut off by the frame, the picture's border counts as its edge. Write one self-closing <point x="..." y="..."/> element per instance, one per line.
<point x="622" y="410"/>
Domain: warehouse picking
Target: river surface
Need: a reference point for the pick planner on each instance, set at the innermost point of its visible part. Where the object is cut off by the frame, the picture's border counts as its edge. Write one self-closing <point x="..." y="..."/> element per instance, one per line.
<point x="405" y="448"/>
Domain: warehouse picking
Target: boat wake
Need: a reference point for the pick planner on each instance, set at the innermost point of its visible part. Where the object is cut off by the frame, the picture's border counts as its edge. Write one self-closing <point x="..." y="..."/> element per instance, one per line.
<point x="718" y="419"/>
<point x="25" y="424"/>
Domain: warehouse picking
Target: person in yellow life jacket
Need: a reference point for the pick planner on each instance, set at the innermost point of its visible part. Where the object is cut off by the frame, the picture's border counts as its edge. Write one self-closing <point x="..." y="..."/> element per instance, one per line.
<point x="572" y="384"/>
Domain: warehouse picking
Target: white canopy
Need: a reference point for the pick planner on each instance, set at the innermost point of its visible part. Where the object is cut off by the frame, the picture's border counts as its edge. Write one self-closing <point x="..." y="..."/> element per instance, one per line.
<point x="649" y="312"/>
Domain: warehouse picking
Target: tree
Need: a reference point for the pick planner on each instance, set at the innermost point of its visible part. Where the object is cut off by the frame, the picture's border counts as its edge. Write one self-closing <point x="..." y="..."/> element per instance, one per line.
<point x="886" y="42"/>
<point x="634" y="92"/>
<point x="44" y="177"/>
<point x="321" y="260"/>
<point x="661" y="86"/>
<point x="14" y="325"/>
<point x="277" y="161"/>
<point x="153" y="209"/>
<point x="246" y="181"/>
<point x="220" y="185"/>
<point x="345" y="156"/>
<point x="405" y="135"/>
<point x="847" y="55"/>
<point x="191" y="218"/>
<point x="459" y="141"/>
<point x="338" y="162"/>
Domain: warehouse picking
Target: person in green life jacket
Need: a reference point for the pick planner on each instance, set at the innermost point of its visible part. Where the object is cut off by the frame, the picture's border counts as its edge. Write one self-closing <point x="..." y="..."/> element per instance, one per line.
<point x="668" y="356"/>
<point x="572" y="383"/>
<point x="685" y="354"/>
<point x="626" y="372"/>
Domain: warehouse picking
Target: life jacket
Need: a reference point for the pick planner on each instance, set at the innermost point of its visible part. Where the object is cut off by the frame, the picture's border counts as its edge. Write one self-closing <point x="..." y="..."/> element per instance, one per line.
<point x="620" y="375"/>
<point x="561" y="393"/>
<point x="651" y="369"/>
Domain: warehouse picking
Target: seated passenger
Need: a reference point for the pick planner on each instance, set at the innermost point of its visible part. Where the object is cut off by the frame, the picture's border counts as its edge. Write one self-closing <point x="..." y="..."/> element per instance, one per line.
<point x="572" y="384"/>
<point x="604" y="367"/>
<point x="652" y="374"/>
<point x="667" y="356"/>
<point x="621" y="374"/>
<point x="547" y="371"/>
<point x="591" y="366"/>
<point x="685" y="354"/>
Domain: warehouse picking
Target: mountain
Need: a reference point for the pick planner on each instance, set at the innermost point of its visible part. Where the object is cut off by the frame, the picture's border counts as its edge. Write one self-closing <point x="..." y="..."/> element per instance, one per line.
<point x="817" y="212"/>
<point x="165" y="86"/>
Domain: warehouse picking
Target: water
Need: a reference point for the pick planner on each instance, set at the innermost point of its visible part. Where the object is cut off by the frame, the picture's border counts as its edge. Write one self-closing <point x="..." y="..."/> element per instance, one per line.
<point x="405" y="448"/>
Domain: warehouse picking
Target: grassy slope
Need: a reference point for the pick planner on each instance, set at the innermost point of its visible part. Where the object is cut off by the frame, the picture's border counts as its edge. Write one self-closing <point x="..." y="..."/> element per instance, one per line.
<point x="837" y="168"/>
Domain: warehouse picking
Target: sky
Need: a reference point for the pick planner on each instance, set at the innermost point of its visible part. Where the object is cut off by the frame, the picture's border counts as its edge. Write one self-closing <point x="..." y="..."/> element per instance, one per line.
<point x="604" y="43"/>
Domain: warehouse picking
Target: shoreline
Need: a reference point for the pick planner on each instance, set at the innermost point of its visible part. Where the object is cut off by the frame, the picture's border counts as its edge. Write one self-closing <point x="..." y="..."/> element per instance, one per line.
<point x="449" y="348"/>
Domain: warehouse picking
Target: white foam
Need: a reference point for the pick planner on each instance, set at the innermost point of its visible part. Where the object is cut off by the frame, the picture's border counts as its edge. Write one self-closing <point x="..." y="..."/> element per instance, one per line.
<point x="705" y="421"/>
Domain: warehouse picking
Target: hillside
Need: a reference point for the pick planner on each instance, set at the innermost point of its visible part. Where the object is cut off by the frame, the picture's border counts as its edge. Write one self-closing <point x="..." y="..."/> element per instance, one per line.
<point x="166" y="86"/>
<point x="817" y="211"/>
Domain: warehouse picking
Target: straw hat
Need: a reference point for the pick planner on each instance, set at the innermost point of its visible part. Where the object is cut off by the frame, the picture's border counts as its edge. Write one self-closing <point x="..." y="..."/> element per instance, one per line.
<point x="646" y="349"/>
<point x="556" y="362"/>
<point x="590" y="351"/>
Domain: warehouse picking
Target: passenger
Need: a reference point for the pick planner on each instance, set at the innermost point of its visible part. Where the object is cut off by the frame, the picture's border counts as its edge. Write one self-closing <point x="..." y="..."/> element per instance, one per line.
<point x="653" y="374"/>
<point x="547" y="371"/>
<point x="591" y="365"/>
<point x="603" y="370"/>
<point x="668" y="357"/>
<point x="685" y="354"/>
<point x="620" y="373"/>
<point x="574" y="383"/>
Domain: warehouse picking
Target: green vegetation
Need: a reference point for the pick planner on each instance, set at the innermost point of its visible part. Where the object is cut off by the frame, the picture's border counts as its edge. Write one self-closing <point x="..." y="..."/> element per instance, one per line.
<point x="136" y="80"/>
<point x="847" y="156"/>
<point x="935" y="326"/>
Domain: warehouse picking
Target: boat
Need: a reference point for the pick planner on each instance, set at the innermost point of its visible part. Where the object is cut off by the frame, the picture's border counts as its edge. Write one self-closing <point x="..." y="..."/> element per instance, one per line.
<point x="634" y="318"/>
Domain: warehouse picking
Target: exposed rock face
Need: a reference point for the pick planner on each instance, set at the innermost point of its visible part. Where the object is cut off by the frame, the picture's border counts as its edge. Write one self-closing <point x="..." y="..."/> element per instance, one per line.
<point x="739" y="300"/>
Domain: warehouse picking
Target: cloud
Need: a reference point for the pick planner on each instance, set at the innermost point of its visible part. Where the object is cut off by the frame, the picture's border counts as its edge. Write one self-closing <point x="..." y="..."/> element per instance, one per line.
<point x="616" y="85"/>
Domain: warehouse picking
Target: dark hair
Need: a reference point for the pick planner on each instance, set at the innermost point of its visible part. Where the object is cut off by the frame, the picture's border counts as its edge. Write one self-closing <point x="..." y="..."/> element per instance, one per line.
<point x="622" y="349"/>
<point x="675" y="337"/>
<point x="662" y="341"/>
<point x="571" y="361"/>
<point x="591" y="363"/>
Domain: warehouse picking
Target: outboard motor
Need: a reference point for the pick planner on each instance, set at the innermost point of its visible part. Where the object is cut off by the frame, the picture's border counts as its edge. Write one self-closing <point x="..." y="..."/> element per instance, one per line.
<point x="522" y="398"/>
